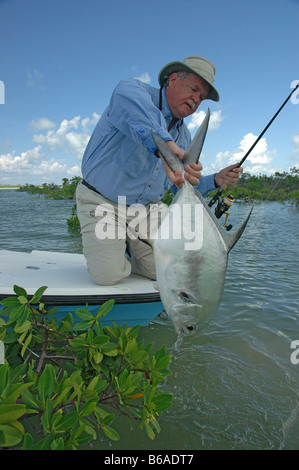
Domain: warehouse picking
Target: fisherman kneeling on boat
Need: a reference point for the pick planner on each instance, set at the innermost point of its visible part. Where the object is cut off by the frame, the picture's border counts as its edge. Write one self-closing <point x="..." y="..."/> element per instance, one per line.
<point x="121" y="167"/>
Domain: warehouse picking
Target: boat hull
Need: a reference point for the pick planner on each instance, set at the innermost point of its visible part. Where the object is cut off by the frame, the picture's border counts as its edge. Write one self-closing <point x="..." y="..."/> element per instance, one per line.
<point x="70" y="287"/>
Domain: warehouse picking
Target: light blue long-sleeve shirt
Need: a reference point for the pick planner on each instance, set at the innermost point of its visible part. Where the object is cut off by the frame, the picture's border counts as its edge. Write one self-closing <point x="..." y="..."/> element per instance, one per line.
<point x="120" y="159"/>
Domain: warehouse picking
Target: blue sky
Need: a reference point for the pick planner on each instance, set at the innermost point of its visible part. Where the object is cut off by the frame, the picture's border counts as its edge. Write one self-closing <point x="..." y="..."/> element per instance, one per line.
<point x="61" y="59"/>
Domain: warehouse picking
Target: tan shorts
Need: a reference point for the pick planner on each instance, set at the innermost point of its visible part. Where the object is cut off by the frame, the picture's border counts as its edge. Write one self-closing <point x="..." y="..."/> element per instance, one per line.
<point x="108" y="229"/>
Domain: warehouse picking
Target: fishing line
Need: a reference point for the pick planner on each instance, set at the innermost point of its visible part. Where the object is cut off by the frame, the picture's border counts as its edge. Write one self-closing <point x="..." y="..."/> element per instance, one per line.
<point x="223" y="205"/>
<point x="267" y="126"/>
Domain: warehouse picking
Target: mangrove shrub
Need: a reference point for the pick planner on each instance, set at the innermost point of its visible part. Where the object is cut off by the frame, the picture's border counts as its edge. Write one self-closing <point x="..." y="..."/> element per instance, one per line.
<point x="62" y="383"/>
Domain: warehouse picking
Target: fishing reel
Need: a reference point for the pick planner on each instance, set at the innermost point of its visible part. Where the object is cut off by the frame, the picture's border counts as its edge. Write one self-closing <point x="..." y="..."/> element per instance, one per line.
<point x="223" y="204"/>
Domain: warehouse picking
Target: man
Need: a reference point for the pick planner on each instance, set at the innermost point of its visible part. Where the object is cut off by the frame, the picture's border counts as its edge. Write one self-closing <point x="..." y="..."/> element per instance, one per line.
<point x="121" y="159"/>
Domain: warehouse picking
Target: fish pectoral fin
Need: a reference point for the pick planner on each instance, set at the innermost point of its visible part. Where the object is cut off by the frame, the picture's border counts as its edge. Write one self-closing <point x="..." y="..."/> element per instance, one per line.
<point x="193" y="152"/>
<point x="172" y="160"/>
<point x="231" y="239"/>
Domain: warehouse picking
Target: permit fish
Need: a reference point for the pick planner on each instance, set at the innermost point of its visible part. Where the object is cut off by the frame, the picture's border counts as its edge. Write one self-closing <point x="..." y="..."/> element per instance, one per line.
<point x="190" y="248"/>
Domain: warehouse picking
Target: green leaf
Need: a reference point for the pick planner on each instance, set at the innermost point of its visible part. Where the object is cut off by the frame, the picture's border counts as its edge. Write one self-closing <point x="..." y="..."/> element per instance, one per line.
<point x="23" y="327"/>
<point x="110" y="349"/>
<point x="17" y="373"/>
<point x="13" y="392"/>
<point x="83" y="325"/>
<point x="83" y="313"/>
<point x="100" y="340"/>
<point x="92" y="383"/>
<point x="163" y="362"/>
<point x="20" y="291"/>
<point x="149" y="431"/>
<point x="46" y="418"/>
<point x="160" y="353"/>
<point x="100" y="413"/>
<point x="96" y="355"/>
<point x="10" y="302"/>
<point x="38" y="295"/>
<point x="67" y="421"/>
<point x="16" y="312"/>
<point x="88" y="407"/>
<point x="111" y="433"/>
<point x="78" y="343"/>
<point x="4" y="376"/>
<point x="46" y="383"/>
<point x="131" y="346"/>
<point x="104" y="309"/>
<point x="57" y="444"/>
<point x="22" y="299"/>
<point x="56" y="417"/>
<point x="62" y="396"/>
<point x="10" y="413"/>
<point x="30" y="400"/>
<point x="45" y="443"/>
<point x="162" y="402"/>
<point x="9" y="435"/>
<point x="112" y="331"/>
<point x="52" y="311"/>
<point x="156" y="425"/>
<point x="26" y="344"/>
<point x="28" y="442"/>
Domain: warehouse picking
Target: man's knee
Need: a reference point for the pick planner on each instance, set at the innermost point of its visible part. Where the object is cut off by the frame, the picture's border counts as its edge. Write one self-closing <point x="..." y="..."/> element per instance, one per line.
<point x="108" y="272"/>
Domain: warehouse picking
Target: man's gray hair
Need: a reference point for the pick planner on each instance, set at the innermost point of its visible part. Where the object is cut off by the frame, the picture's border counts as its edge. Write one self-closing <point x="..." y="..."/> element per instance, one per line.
<point x="181" y="73"/>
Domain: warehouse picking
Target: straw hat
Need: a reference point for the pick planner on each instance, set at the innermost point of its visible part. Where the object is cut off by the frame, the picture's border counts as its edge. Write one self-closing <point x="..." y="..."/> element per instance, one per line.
<point x="202" y="67"/>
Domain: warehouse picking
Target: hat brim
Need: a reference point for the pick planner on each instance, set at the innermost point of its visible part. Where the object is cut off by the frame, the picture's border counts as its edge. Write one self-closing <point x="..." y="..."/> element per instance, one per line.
<point x="178" y="66"/>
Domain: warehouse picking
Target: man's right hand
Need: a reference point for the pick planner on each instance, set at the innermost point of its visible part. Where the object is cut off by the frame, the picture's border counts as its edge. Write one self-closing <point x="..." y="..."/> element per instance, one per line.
<point x="192" y="171"/>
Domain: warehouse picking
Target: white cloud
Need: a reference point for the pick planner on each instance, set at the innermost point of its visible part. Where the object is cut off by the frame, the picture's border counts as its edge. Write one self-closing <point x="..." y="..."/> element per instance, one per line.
<point x="295" y="139"/>
<point x="197" y="118"/>
<point x="49" y="167"/>
<point x="71" y="136"/>
<point x="35" y="78"/>
<point x="90" y="122"/>
<point x="11" y="163"/>
<point x="144" y="77"/>
<point x="67" y="139"/>
<point x="41" y="124"/>
<point x="259" y="161"/>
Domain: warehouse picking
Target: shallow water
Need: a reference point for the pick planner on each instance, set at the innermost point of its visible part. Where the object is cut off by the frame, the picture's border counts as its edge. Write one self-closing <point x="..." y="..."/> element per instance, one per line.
<point x="234" y="384"/>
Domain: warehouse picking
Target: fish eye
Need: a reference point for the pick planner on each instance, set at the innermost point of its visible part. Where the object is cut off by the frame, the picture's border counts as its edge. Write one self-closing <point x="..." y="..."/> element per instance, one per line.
<point x="184" y="295"/>
<point x="191" y="327"/>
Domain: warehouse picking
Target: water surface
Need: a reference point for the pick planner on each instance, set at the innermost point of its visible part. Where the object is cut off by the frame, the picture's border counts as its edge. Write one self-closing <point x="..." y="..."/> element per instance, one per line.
<point x="234" y="384"/>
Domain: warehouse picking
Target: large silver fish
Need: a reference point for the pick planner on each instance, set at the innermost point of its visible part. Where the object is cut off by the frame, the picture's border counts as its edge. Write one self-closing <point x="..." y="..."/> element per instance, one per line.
<point x="191" y="248"/>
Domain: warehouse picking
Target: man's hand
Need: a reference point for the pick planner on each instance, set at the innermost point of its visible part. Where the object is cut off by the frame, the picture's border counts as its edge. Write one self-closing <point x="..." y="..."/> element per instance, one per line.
<point x="192" y="171"/>
<point x="228" y="176"/>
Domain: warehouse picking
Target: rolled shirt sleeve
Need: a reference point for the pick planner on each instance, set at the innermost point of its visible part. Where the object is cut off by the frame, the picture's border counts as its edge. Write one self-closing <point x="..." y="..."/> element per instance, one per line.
<point x="133" y="112"/>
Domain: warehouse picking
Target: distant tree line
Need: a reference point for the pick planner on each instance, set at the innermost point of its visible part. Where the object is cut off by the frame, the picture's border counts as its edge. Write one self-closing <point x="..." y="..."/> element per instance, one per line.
<point x="54" y="191"/>
<point x="278" y="187"/>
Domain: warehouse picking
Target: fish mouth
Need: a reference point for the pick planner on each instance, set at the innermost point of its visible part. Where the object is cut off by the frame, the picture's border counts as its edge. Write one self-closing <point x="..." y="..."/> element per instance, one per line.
<point x="184" y="317"/>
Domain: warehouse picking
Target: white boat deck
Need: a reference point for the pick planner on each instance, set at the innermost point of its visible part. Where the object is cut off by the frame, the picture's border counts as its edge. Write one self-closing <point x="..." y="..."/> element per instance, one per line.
<point x="63" y="273"/>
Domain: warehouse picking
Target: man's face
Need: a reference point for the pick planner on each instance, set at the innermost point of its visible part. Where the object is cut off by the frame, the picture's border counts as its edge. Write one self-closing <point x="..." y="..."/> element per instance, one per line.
<point x="185" y="95"/>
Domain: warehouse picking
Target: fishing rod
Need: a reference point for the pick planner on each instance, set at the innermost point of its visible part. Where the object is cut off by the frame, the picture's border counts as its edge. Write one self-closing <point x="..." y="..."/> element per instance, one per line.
<point x="224" y="205"/>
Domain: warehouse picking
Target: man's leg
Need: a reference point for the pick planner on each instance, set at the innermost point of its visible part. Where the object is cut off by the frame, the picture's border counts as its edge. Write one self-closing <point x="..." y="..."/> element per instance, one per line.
<point x="104" y="251"/>
<point x="142" y="256"/>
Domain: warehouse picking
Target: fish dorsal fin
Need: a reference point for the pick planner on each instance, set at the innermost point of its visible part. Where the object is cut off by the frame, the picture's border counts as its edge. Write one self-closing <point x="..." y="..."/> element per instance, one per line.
<point x="193" y="152"/>
<point x="172" y="160"/>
